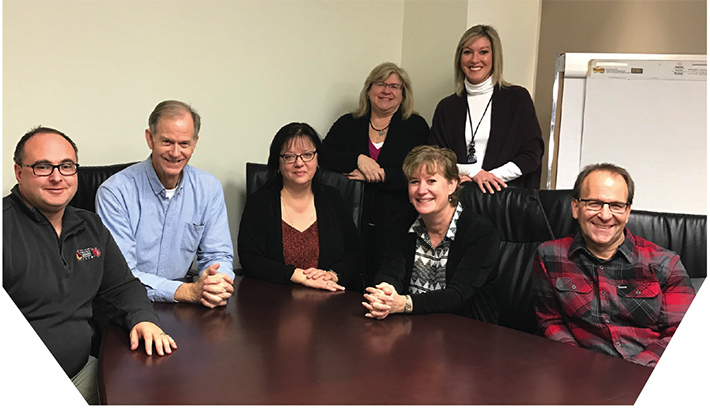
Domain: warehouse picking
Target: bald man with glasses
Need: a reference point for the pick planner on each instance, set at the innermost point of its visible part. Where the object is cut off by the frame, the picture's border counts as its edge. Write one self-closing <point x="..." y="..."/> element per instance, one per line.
<point x="59" y="263"/>
<point x="606" y="289"/>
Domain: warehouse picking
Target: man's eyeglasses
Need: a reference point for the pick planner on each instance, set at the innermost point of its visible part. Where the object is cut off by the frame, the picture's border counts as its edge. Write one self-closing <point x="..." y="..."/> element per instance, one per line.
<point x="393" y="87"/>
<point x="46" y="169"/>
<point x="305" y="156"/>
<point x="597" y="205"/>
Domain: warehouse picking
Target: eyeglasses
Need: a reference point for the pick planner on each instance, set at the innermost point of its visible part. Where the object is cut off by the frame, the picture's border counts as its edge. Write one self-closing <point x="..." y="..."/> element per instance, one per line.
<point x="46" y="169"/>
<point x="393" y="87"/>
<point x="597" y="205"/>
<point x="305" y="156"/>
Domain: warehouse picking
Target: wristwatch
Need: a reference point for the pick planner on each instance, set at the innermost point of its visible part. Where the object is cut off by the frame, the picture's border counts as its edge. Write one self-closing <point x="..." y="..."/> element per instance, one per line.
<point x="408" y="304"/>
<point x="336" y="275"/>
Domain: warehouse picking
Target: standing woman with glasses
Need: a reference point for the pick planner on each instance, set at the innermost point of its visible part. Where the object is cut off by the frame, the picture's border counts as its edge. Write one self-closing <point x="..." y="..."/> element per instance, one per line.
<point x="490" y="124"/>
<point x="370" y="144"/>
<point x="295" y="229"/>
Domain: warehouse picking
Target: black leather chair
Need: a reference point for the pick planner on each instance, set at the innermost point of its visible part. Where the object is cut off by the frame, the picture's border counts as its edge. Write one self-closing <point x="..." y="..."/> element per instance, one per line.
<point x="522" y="227"/>
<point x="352" y="191"/>
<point x="89" y="180"/>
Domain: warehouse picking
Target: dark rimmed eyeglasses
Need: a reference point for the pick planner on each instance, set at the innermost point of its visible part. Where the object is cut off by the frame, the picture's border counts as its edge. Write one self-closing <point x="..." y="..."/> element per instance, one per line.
<point x="46" y="169"/>
<point x="594" y="205"/>
<point x="305" y="156"/>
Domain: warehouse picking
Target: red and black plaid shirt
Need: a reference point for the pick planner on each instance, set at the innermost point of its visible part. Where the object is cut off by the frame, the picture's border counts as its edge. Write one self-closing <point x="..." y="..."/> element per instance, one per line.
<point x="628" y="306"/>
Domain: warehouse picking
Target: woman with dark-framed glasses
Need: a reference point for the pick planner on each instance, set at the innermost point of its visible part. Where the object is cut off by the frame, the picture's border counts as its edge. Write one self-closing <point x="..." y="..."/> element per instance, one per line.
<point x="370" y="143"/>
<point x="295" y="229"/>
<point x="490" y="124"/>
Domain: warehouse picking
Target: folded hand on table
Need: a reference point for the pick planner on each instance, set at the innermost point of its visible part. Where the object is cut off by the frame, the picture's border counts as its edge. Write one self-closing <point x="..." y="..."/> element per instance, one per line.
<point x="383" y="300"/>
<point x="212" y="288"/>
<point x="316" y="278"/>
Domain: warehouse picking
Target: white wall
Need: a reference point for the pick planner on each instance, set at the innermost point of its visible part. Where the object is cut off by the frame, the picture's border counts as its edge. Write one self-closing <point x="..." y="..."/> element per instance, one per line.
<point x="96" y="69"/>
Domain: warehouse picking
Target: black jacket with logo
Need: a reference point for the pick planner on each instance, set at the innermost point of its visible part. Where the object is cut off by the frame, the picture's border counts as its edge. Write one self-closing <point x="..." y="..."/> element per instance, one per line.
<point x="54" y="280"/>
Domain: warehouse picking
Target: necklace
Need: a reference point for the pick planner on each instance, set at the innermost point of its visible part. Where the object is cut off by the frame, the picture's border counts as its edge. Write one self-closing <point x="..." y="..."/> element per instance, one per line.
<point x="288" y="215"/>
<point x="380" y="131"/>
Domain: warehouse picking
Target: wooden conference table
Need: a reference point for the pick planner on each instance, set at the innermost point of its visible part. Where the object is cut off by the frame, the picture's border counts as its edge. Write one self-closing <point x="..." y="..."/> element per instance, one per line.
<point x="275" y="344"/>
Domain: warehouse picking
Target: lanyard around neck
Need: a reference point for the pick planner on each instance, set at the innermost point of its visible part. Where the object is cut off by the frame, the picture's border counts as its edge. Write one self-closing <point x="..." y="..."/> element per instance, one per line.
<point x="471" y="158"/>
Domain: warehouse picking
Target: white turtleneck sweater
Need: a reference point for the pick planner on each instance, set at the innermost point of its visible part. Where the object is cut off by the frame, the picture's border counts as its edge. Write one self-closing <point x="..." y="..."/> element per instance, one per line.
<point x="478" y="97"/>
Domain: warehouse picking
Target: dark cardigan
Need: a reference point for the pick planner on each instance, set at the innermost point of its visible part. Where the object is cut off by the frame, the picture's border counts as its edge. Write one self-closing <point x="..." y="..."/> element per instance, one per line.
<point x="347" y="139"/>
<point x="260" y="240"/>
<point x="515" y="132"/>
<point x="469" y="270"/>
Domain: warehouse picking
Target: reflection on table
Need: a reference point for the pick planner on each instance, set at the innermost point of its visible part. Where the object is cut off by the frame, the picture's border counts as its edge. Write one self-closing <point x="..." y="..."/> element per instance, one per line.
<point x="275" y="344"/>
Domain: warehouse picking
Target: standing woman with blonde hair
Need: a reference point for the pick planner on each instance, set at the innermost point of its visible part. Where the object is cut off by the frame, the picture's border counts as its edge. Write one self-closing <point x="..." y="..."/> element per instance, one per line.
<point x="370" y="144"/>
<point x="490" y="124"/>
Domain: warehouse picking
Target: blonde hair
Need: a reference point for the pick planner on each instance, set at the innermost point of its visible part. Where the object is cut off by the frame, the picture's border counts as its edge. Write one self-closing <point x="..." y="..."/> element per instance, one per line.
<point x="379" y="74"/>
<point x="474" y="33"/>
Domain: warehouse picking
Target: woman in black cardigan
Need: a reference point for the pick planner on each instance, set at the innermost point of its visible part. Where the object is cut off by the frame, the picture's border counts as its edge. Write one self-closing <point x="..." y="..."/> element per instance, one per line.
<point x="442" y="260"/>
<point x="507" y="145"/>
<point x="370" y="145"/>
<point x="295" y="229"/>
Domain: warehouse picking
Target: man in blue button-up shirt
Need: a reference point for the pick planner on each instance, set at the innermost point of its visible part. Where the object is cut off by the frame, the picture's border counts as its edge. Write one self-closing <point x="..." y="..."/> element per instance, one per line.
<point x="163" y="212"/>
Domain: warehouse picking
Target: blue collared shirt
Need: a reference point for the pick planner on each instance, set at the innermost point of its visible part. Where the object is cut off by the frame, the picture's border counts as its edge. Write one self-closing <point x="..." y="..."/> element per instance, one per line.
<point x="160" y="237"/>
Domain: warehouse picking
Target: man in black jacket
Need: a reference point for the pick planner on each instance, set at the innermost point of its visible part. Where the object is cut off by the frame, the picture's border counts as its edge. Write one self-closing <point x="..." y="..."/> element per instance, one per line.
<point x="57" y="260"/>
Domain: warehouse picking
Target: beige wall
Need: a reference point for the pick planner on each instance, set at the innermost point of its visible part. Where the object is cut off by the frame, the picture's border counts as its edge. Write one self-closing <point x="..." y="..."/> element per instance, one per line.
<point x="95" y="69"/>
<point x="518" y="25"/>
<point x="430" y="33"/>
<point x="642" y="26"/>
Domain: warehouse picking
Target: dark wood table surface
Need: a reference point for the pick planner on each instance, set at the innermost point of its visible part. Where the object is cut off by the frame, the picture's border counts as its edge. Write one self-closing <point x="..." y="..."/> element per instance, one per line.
<point x="275" y="344"/>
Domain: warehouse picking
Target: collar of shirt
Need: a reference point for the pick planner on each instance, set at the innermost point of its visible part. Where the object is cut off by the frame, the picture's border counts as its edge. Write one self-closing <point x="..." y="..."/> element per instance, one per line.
<point x="419" y="228"/>
<point x="155" y="183"/>
<point x="626" y="249"/>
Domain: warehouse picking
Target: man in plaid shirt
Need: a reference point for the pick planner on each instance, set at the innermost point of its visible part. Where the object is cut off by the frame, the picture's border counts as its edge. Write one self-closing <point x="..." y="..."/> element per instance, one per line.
<point x="605" y="289"/>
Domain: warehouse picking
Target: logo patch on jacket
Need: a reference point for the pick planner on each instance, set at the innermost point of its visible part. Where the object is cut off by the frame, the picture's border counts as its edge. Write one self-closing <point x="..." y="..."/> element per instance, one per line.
<point x="88" y="253"/>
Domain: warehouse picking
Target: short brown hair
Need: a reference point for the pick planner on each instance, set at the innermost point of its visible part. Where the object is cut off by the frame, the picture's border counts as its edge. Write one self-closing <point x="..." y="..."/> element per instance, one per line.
<point x="435" y="160"/>
<point x="604" y="167"/>
<point x="171" y="109"/>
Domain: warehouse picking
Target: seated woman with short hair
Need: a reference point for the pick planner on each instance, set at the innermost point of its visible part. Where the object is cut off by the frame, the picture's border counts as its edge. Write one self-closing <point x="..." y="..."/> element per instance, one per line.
<point x="443" y="260"/>
<point x="295" y="229"/>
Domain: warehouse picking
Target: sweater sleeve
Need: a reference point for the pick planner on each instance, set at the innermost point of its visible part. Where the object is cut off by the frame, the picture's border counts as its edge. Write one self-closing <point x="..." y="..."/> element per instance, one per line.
<point x="347" y="264"/>
<point x="414" y="132"/>
<point x="393" y="267"/>
<point x="336" y="152"/>
<point x="525" y="131"/>
<point x="255" y="255"/>
<point x="121" y="295"/>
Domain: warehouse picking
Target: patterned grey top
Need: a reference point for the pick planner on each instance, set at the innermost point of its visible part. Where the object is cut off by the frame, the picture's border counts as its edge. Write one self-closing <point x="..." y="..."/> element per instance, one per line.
<point x="429" y="270"/>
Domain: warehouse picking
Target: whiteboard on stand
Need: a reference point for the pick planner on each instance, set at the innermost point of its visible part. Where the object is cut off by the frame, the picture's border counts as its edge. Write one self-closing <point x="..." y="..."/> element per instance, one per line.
<point x="650" y="117"/>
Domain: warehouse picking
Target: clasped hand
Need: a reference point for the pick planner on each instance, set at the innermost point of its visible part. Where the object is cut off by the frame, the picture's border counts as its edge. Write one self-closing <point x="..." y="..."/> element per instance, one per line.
<point x="382" y="300"/>
<point x="368" y="170"/>
<point x="212" y="289"/>
<point x="317" y="278"/>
